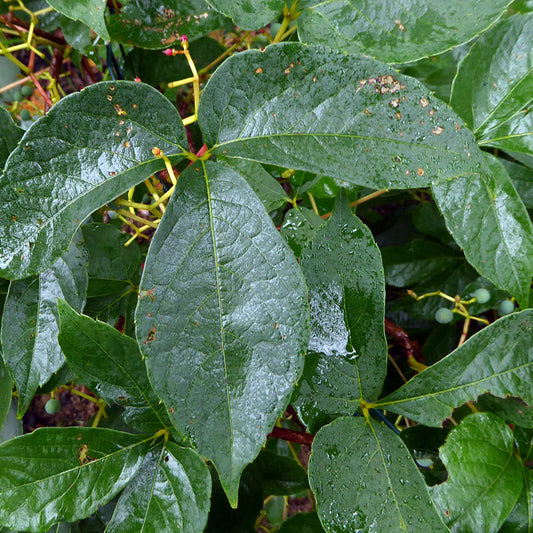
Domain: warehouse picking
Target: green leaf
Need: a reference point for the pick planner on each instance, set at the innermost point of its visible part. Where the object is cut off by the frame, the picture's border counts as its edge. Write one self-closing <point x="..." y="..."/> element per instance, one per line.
<point x="30" y="322"/>
<point x="512" y="410"/>
<point x="396" y="32"/>
<point x="6" y="390"/>
<point x="11" y="425"/>
<point x="110" y="364"/>
<point x="249" y="14"/>
<point x="170" y="493"/>
<point x="347" y="359"/>
<point x="489" y="221"/>
<point x="299" y="228"/>
<point x="223" y="308"/>
<point x="520" y="520"/>
<point x="364" y="479"/>
<point x="302" y="523"/>
<point x="493" y="89"/>
<point x="280" y="475"/>
<point x="113" y="267"/>
<point x="498" y="359"/>
<point x="351" y="117"/>
<point x="522" y="178"/>
<point x="90" y="148"/>
<point x="160" y="24"/>
<point x="417" y="261"/>
<point x="484" y="476"/>
<point x="46" y="479"/>
<point x="10" y="135"/>
<point x="264" y="185"/>
<point x="90" y="12"/>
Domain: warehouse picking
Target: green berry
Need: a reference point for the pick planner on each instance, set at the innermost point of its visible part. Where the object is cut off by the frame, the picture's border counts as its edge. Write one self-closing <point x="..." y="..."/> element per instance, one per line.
<point x="112" y="214"/>
<point x="27" y="90"/>
<point x="482" y="296"/>
<point x="18" y="96"/>
<point x="443" y="315"/>
<point x="25" y="114"/>
<point x="274" y="28"/>
<point x="52" y="406"/>
<point x="506" y="307"/>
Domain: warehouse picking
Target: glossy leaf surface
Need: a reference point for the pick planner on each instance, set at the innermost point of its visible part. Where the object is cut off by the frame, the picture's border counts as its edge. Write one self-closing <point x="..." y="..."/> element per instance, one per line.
<point x="110" y="364"/>
<point x="489" y="221"/>
<point x="351" y="117"/>
<point x="56" y="474"/>
<point x="493" y="88"/>
<point x="10" y="135"/>
<point x="364" y="479"/>
<point x="396" y="32"/>
<point x="522" y="178"/>
<point x="302" y="523"/>
<point x="90" y="12"/>
<point x="223" y="308"/>
<point x="89" y="149"/>
<point x="249" y="14"/>
<point x="264" y="185"/>
<point x="157" y="25"/>
<point x="170" y="493"/>
<point x="299" y="227"/>
<point x="347" y="358"/>
<point x="498" y="359"/>
<point x="30" y="323"/>
<point x="485" y="478"/>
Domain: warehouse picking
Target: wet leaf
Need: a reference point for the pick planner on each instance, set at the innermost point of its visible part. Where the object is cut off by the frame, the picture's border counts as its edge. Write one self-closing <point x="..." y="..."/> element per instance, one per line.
<point x="56" y="474"/>
<point x="484" y="476"/>
<point x="520" y="520"/>
<point x="249" y="14"/>
<point x="302" y="523"/>
<point x="223" y="308"/>
<point x="110" y="364"/>
<point x="487" y="218"/>
<point x="280" y="475"/>
<point x="494" y="86"/>
<point x="299" y="227"/>
<point x="90" y="148"/>
<point x="522" y="178"/>
<point x="10" y="135"/>
<point x="170" y="493"/>
<point x="6" y="389"/>
<point x="160" y="24"/>
<point x="512" y="410"/>
<point x="364" y="479"/>
<point x="90" y="12"/>
<point x="498" y="359"/>
<point x="264" y="185"/>
<point x="30" y="323"/>
<point x="351" y="117"/>
<point x="347" y="358"/>
<point x="396" y="32"/>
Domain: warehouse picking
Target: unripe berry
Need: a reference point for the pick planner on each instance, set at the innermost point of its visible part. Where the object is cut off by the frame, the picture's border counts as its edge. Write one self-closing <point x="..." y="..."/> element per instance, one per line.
<point x="25" y="114"/>
<point x="52" y="406"/>
<point x="27" y="90"/>
<point x="18" y="96"/>
<point x="443" y="315"/>
<point x="482" y="296"/>
<point x="506" y="307"/>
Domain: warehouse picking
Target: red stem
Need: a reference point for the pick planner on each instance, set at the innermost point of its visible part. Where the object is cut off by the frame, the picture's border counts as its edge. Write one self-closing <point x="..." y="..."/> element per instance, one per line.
<point x="291" y="436"/>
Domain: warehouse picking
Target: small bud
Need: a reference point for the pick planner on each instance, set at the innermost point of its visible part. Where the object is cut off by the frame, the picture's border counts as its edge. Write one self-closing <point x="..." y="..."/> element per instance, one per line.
<point x="157" y="151"/>
<point x="169" y="52"/>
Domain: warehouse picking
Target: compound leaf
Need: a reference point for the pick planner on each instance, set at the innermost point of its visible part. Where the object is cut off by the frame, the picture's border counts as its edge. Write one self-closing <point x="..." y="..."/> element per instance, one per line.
<point x="170" y="493"/>
<point x="110" y="364"/>
<point x="350" y="117"/>
<point x="30" y="323"/>
<point x="364" y="479"/>
<point x="396" y="32"/>
<point x="90" y="148"/>
<point x="484" y="475"/>
<point x="56" y="474"/>
<point x="347" y="358"/>
<point x="493" y="87"/>
<point x="487" y="218"/>
<point x="498" y="359"/>
<point x="222" y="318"/>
